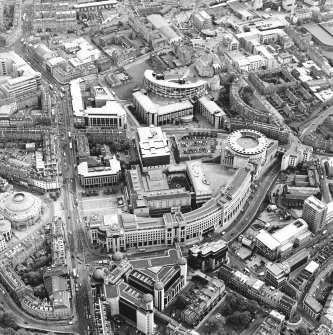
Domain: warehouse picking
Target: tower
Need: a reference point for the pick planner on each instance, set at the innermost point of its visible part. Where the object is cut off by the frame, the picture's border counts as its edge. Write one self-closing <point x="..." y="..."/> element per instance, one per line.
<point x="314" y="213"/>
<point x="159" y="295"/>
<point x="183" y="268"/>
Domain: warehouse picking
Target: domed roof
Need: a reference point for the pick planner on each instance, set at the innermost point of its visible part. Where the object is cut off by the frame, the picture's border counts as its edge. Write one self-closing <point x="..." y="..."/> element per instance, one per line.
<point x="147" y="298"/>
<point x="182" y="261"/>
<point x="5" y="225"/>
<point x="20" y="202"/>
<point x="117" y="256"/>
<point x="98" y="274"/>
<point x="159" y="286"/>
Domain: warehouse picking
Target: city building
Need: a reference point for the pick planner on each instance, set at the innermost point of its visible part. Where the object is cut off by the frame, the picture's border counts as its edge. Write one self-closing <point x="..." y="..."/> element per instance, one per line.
<point x="94" y="6"/>
<point x="296" y="154"/>
<point x="3" y="244"/>
<point x="174" y="86"/>
<point x="246" y="146"/>
<point x="159" y="23"/>
<point x="212" y="112"/>
<point x="329" y="166"/>
<point x="22" y="79"/>
<point x="22" y="209"/>
<point x="201" y="20"/>
<point x="277" y="274"/>
<point x="327" y="313"/>
<point x="153" y="147"/>
<point x="202" y="189"/>
<point x="106" y="174"/>
<point x="314" y="214"/>
<point x="58" y="16"/>
<point x="5" y="229"/>
<point x="203" y="301"/>
<point x="207" y="256"/>
<point x="155" y="113"/>
<point x="272" y="324"/>
<point x="280" y="243"/>
<point x="294" y="197"/>
<point x="256" y="289"/>
<point x="129" y="232"/>
<point x="150" y="194"/>
<point x="134" y="288"/>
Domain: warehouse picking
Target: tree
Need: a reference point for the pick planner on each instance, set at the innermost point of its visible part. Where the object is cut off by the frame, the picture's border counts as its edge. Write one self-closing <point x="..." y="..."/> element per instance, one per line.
<point x="181" y="301"/>
<point x="211" y="326"/>
<point x="10" y="331"/>
<point x="8" y="320"/>
<point x="302" y="331"/>
<point x="245" y="318"/>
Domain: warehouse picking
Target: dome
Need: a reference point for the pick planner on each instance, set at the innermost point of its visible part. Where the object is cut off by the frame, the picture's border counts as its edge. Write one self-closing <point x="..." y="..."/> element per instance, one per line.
<point x="117" y="256"/>
<point x="5" y="226"/>
<point x="20" y="202"/>
<point x="98" y="274"/>
<point x="182" y="261"/>
<point x="147" y="298"/>
<point x="159" y="286"/>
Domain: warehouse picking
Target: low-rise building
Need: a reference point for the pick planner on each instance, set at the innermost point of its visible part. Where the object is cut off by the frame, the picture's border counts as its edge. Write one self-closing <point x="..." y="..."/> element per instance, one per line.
<point x="295" y="196"/>
<point x="201" y="20"/>
<point x="296" y="154"/>
<point x="272" y="324"/>
<point x="257" y="290"/>
<point x="204" y="300"/>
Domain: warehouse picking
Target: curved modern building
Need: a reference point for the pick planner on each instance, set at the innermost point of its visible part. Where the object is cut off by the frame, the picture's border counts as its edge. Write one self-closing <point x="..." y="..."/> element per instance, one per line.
<point x="174" y="86"/>
<point x="22" y="209"/>
<point x="245" y="147"/>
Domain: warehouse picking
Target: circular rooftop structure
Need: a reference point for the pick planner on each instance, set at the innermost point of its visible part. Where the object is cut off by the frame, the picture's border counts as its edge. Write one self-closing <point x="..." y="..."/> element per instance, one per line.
<point x="146" y="298"/>
<point x="158" y="286"/>
<point x="182" y="261"/>
<point x="20" y="202"/>
<point x="98" y="274"/>
<point x="117" y="256"/>
<point x="22" y="209"/>
<point x="247" y="142"/>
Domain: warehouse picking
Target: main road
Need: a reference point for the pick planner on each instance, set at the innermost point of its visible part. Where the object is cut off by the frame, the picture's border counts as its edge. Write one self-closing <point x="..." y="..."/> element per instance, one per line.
<point x="316" y="122"/>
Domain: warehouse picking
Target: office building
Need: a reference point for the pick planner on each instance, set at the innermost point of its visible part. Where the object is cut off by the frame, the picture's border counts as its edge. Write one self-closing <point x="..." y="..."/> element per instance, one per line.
<point x="202" y="189"/>
<point x="295" y="196"/>
<point x="133" y="288"/>
<point x="296" y="154"/>
<point x="159" y="23"/>
<point x="211" y="112"/>
<point x="22" y="80"/>
<point x="277" y="274"/>
<point x="201" y="20"/>
<point x="157" y="112"/>
<point x="174" y="86"/>
<point x="150" y="193"/>
<point x="314" y="214"/>
<point x="208" y="256"/>
<point x="100" y="175"/>
<point x="153" y="147"/>
<point x="280" y="243"/>
<point x="256" y="289"/>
